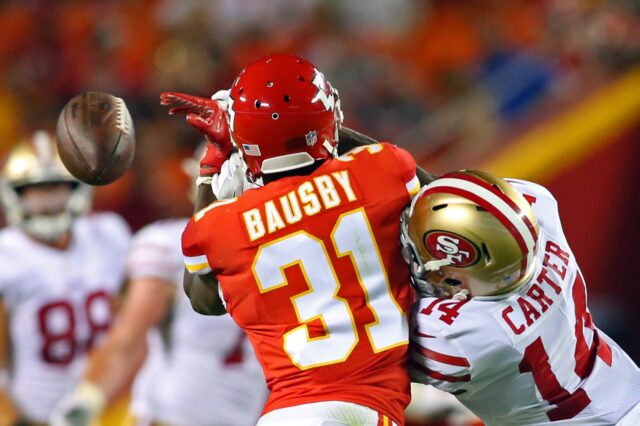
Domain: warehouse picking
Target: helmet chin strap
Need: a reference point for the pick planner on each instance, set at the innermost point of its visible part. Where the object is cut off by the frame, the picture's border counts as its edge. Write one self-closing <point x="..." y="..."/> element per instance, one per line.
<point x="48" y="228"/>
<point x="332" y="149"/>
<point x="461" y="295"/>
<point x="435" y="265"/>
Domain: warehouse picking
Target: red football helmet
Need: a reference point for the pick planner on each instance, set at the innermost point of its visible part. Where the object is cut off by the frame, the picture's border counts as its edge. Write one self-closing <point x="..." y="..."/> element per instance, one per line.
<point x="283" y="115"/>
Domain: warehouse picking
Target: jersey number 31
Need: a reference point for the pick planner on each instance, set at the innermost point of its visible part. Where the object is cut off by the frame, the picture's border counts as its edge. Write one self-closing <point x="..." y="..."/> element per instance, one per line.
<point x="351" y="236"/>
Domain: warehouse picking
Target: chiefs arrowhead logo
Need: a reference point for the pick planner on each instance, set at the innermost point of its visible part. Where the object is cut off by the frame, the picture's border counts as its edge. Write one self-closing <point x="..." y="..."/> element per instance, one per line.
<point x="325" y="93"/>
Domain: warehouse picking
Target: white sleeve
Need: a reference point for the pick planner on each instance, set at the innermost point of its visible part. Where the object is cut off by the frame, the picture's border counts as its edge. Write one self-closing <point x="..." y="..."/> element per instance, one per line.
<point x="437" y="354"/>
<point x="544" y="205"/>
<point x="155" y="253"/>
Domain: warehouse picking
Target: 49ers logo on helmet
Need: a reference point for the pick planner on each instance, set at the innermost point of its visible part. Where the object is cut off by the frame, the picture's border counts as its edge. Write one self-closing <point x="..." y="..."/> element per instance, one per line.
<point x="447" y="245"/>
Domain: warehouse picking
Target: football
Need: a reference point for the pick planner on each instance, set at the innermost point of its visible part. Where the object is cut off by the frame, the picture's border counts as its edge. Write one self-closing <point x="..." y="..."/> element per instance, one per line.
<point x="95" y="137"/>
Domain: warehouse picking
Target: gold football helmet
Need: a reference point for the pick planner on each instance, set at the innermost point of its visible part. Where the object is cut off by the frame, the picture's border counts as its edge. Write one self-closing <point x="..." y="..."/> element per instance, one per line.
<point x="472" y="231"/>
<point x="33" y="162"/>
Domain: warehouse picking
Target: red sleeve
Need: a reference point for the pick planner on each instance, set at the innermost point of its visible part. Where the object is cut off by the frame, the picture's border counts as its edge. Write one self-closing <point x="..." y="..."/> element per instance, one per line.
<point x="195" y="259"/>
<point x="407" y="168"/>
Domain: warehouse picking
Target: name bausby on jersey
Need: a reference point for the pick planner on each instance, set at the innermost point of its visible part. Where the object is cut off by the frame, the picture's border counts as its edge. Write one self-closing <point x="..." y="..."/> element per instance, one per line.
<point x="323" y="192"/>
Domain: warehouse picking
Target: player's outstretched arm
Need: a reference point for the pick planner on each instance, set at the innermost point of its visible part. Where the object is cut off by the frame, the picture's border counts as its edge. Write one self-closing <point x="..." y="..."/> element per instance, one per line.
<point x="207" y="117"/>
<point x="350" y="139"/>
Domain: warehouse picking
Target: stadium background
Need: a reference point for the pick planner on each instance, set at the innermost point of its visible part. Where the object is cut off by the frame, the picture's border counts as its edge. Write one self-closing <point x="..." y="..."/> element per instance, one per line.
<point x="546" y="90"/>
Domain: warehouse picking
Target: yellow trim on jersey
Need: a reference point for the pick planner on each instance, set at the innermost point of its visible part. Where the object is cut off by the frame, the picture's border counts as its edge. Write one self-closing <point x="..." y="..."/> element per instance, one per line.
<point x="199" y="268"/>
<point x="372" y="149"/>
<point x="413" y="186"/>
<point x="194" y="260"/>
<point x="197" y="264"/>
<point x="568" y="139"/>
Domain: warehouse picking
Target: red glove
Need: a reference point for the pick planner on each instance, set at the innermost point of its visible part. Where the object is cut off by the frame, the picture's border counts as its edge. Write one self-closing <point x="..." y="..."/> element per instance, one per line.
<point x="207" y="117"/>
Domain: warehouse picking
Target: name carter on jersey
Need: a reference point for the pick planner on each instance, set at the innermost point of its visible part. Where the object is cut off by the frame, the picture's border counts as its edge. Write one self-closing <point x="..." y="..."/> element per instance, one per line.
<point x="536" y="292"/>
<point x="308" y="199"/>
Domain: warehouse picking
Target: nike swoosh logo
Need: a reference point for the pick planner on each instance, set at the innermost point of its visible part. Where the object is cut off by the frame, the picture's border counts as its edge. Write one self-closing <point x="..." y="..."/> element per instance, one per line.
<point x="417" y="333"/>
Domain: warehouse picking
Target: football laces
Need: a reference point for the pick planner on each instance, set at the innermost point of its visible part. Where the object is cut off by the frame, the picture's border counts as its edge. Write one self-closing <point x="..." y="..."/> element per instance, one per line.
<point x="123" y="117"/>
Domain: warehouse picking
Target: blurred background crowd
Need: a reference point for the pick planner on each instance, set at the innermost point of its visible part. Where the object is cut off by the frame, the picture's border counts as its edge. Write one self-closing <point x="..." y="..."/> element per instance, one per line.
<point x="455" y="82"/>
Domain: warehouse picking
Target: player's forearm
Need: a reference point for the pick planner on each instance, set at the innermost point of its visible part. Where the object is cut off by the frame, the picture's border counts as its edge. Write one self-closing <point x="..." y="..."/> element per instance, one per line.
<point x="203" y="293"/>
<point x="424" y="176"/>
<point x="113" y="364"/>
<point x="350" y="139"/>
<point x="204" y="197"/>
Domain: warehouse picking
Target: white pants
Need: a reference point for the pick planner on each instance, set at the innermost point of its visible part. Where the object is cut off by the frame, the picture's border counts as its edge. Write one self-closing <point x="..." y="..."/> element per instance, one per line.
<point x="632" y="418"/>
<point x="327" y="413"/>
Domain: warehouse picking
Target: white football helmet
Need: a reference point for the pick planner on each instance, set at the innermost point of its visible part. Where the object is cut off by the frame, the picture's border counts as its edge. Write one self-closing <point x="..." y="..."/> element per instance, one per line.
<point x="33" y="162"/>
<point x="470" y="231"/>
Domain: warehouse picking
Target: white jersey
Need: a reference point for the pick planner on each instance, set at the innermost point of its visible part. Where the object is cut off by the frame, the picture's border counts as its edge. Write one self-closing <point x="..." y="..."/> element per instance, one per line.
<point x="58" y="303"/>
<point x="530" y="357"/>
<point x="207" y="373"/>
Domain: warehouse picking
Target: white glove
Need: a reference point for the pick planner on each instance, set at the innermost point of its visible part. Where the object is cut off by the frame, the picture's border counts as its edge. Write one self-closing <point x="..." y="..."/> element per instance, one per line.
<point x="80" y="407"/>
<point x="222" y="96"/>
<point x="232" y="179"/>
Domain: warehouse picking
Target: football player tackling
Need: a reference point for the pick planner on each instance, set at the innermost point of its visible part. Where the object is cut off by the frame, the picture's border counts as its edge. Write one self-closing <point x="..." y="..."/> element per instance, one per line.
<point x="504" y="323"/>
<point x="308" y="263"/>
<point x="59" y="270"/>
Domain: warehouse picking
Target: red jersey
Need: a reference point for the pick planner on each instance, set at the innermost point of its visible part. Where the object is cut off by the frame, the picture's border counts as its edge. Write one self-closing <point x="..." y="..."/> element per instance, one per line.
<point x="310" y="267"/>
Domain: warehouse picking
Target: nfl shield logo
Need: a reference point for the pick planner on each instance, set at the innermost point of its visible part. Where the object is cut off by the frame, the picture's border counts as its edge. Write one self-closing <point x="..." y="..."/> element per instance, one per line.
<point x="311" y="137"/>
<point x="249" y="149"/>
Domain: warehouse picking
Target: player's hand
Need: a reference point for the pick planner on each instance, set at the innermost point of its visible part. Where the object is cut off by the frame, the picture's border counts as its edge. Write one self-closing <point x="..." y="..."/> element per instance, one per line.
<point x="80" y="407"/>
<point x="208" y="117"/>
<point x="182" y="103"/>
<point x="212" y="161"/>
